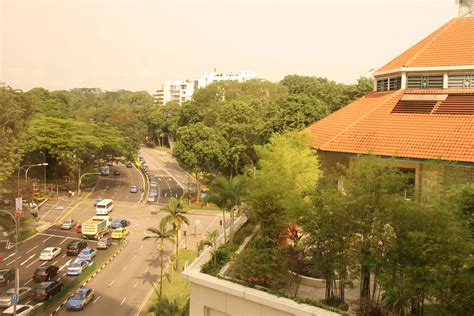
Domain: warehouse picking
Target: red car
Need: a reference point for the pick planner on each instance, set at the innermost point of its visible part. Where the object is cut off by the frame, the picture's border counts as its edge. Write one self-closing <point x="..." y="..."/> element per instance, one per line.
<point x="79" y="228"/>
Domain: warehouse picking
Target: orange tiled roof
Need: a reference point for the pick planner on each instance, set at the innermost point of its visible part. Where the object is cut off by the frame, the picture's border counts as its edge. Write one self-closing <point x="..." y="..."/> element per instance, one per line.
<point x="450" y="45"/>
<point x="367" y="126"/>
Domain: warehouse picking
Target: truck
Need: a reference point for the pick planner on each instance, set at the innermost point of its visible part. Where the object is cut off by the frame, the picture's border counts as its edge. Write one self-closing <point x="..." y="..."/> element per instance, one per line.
<point x="96" y="227"/>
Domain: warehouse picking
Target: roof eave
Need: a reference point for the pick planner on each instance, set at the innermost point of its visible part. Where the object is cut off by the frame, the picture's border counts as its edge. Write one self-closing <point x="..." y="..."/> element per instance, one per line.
<point x="423" y="69"/>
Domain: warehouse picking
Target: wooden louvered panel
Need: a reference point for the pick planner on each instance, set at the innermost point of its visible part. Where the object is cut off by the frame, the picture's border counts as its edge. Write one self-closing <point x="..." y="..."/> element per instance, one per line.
<point x="457" y="104"/>
<point x="417" y="107"/>
<point x="424" y="82"/>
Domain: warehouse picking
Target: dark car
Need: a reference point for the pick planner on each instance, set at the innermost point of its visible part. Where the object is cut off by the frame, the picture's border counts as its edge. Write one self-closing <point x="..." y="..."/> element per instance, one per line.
<point x="45" y="273"/>
<point x="129" y="164"/>
<point x="6" y="276"/>
<point x="45" y="290"/>
<point x="117" y="223"/>
<point x="75" y="247"/>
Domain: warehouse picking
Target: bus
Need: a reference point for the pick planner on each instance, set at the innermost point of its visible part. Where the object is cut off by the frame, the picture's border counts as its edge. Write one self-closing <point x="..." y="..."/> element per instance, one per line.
<point x="104" y="207"/>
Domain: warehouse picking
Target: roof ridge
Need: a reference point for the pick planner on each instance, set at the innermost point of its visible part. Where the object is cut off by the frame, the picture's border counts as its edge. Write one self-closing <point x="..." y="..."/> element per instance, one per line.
<point x="361" y="118"/>
<point x="441" y="30"/>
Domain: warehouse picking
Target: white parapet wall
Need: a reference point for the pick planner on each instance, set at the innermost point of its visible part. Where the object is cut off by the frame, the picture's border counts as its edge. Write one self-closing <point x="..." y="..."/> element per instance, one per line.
<point x="211" y="296"/>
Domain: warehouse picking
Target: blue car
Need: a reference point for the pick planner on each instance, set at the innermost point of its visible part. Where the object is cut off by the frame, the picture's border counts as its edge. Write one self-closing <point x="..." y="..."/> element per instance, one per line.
<point x="133" y="189"/>
<point x="80" y="299"/>
<point x="77" y="266"/>
<point x="87" y="253"/>
<point x="119" y="223"/>
<point x="153" y="193"/>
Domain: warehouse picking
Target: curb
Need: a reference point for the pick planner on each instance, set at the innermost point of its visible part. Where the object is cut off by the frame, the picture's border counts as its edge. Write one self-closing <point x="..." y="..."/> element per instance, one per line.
<point x="93" y="275"/>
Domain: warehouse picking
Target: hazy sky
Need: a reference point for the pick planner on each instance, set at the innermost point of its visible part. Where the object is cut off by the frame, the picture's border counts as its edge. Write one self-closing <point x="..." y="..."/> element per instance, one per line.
<point x="136" y="45"/>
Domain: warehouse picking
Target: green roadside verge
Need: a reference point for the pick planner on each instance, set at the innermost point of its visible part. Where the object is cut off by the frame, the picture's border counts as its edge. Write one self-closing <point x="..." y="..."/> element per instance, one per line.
<point x="174" y="286"/>
<point x="52" y="304"/>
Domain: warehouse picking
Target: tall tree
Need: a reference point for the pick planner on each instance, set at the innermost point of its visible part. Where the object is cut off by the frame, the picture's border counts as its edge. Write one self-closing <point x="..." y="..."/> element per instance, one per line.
<point x="161" y="234"/>
<point x="177" y="215"/>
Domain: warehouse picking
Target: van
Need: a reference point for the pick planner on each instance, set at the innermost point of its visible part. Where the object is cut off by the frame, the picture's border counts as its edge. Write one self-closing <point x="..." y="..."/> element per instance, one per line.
<point x="104" y="207"/>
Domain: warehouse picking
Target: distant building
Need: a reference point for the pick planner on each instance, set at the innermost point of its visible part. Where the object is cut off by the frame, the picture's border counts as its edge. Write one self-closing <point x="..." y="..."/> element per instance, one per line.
<point x="182" y="90"/>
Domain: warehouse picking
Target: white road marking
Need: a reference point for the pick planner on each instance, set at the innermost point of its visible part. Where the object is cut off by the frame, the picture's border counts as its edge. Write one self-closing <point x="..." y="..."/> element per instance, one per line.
<point x="134" y="257"/>
<point x="123" y="300"/>
<point x="135" y="285"/>
<point x="64" y="274"/>
<point x="27" y="283"/>
<point x="27" y="259"/>
<point x="146" y="270"/>
<point x="113" y="281"/>
<point x="32" y="249"/>
<point x="96" y="299"/>
<point x="124" y="268"/>
<point x="67" y="263"/>
<point x="32" y="263"/>
<point x="54" y="262"/>
<point x="63" y="241"/>
<point x="11" y="255"/>
<point x="28" y="302"/>
<point x="47" y="238"/>
<point x="64" y="255"/>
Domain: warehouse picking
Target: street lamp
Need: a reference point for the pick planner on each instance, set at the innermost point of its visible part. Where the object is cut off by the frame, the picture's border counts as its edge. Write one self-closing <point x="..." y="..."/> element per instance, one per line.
<point x="26" y="174"/>
<point x="17" y="271"/>
<point x="80" y="180"/>
<point x="44" y="169"/>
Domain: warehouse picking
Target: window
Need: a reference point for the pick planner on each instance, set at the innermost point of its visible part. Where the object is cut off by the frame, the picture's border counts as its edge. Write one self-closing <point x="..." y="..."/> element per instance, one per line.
<point x="461" y="81"/>
<point x="410" y="174"/>
<point x="414" y="106"/>
<point x="395" y="83"/>
<point x="425" y="82"/>
<point x="382" y="85"/>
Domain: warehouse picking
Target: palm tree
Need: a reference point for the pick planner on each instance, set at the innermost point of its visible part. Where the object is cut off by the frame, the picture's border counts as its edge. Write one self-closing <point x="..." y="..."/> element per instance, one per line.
<point x="177" y="211"/>
<point x="161" y="234"/>
<point x="211" y="240"/>
<point x="227" y="194"/>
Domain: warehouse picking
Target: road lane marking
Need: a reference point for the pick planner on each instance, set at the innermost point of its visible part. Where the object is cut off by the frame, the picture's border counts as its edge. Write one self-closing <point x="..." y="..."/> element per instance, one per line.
<point x="134" y="257"/>
<point x="96" y="299"/>
<point x="32" y="256"/>
<point x="113" y="281"/>
<point x="67" y="263"/>
<point x="124" y="268"/>
<point x="63" y="241"/>
<point x="135" y="285"/>
<point x="54" y="262"/>
<point x="11" y="255"/>
<point x="32" y="249"/>
<point x="28" y="302"/>
<point x="64" y="274"/>
<point x="27" y="283"/>
<point x="32" y="263"/>
<point x="123" y="300"/>
<point x="146" y="270"/>
<point x="14" y="260"/>
<point x="64" y="255"/>
<point x="47" y="238"/>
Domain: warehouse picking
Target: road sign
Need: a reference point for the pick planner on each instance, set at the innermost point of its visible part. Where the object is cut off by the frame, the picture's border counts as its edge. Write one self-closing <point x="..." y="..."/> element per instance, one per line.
<point x="14" y="299"/>
<point x="19" y="204"/>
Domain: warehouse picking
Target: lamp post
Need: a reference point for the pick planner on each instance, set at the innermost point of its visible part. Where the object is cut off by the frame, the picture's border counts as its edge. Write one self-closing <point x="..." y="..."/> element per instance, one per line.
<point x="26" y="174"/>
<point x="17" y="271"/>
<point x="44" y="169"/>
<point x="80" y="181"/>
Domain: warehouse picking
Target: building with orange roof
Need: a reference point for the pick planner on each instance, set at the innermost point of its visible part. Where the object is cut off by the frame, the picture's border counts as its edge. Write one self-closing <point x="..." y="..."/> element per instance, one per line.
<point x="420" y="113"/>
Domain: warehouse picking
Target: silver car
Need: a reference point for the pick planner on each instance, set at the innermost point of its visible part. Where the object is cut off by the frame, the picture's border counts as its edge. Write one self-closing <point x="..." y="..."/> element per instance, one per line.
<point x="6" y="298"/>
<point x="69" y="223"/>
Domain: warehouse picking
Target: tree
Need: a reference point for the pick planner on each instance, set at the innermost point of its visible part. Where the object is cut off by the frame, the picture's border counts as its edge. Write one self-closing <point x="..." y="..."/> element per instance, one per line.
<point x="177" y="211"/>
<point x="287" y="170"/>
<point x="227" y="194"/>
<point x="170" y="306"/>
<point x="210" y="241"/>
<point x="161" y="234"/>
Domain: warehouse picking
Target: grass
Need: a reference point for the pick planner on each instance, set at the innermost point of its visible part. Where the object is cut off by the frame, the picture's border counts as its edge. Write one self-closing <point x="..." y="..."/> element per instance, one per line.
<point x="160" y="148"/>
<point x="180" y="286"/>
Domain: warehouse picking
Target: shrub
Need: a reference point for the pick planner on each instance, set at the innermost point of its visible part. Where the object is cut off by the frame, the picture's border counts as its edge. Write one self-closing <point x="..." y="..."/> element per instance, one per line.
<point x="220" y="257"/>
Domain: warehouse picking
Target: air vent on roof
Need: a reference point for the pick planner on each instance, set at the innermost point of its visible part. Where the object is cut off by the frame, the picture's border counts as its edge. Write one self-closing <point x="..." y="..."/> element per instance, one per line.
<point x="414" y="107"/>
<point x="425" y="82"/>
<point x="457" y="104"/>
<point x="464" y="81"/>
<point x="382" y="85"/>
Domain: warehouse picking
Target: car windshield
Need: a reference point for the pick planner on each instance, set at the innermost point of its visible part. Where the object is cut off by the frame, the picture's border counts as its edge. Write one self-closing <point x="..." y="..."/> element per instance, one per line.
<point x="78" y="296"/>
<point x="46" y="252"/>
<point x="40" y="270"/>
<point x="40" y="291"/>
<point x="67" y="221"/>
<point x="72" y="246"/>
<point x="76" y="264"/>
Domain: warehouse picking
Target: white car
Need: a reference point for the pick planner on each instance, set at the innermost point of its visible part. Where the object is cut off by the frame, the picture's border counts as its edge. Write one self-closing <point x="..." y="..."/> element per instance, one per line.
<point x="21" y="310"/>
<point x="6" y="299"/>
<point x="50" y="253"/>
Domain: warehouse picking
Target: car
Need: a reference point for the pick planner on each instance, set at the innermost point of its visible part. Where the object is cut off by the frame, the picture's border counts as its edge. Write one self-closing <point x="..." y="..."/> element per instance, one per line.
<point x="133" y="189"/>
<point x="129" y="164"/>
<point x="119" y="223"/>
<point x="74" y="247"/>
<point x="104" y="243"/>
<point x="50" y="253"/>
<point x="80" y="299"/>
<point x="6" y="276"/>
<point x="119" y="233"/>
<point x="6" y="299"/>
<point x="45" y="290"/>
<point x="45" y="273"/>
<point x="77" y="266"/>
<point x="151" y="199"/>
<point x="21" y="310"/>
<point x="68" y="224"/>
<point x="79" y="229"/>
<point x="87" y="253"/>
<point x="153" y="193"/>
<point x="116" y="173"/>
<point x="97" y="201"/>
